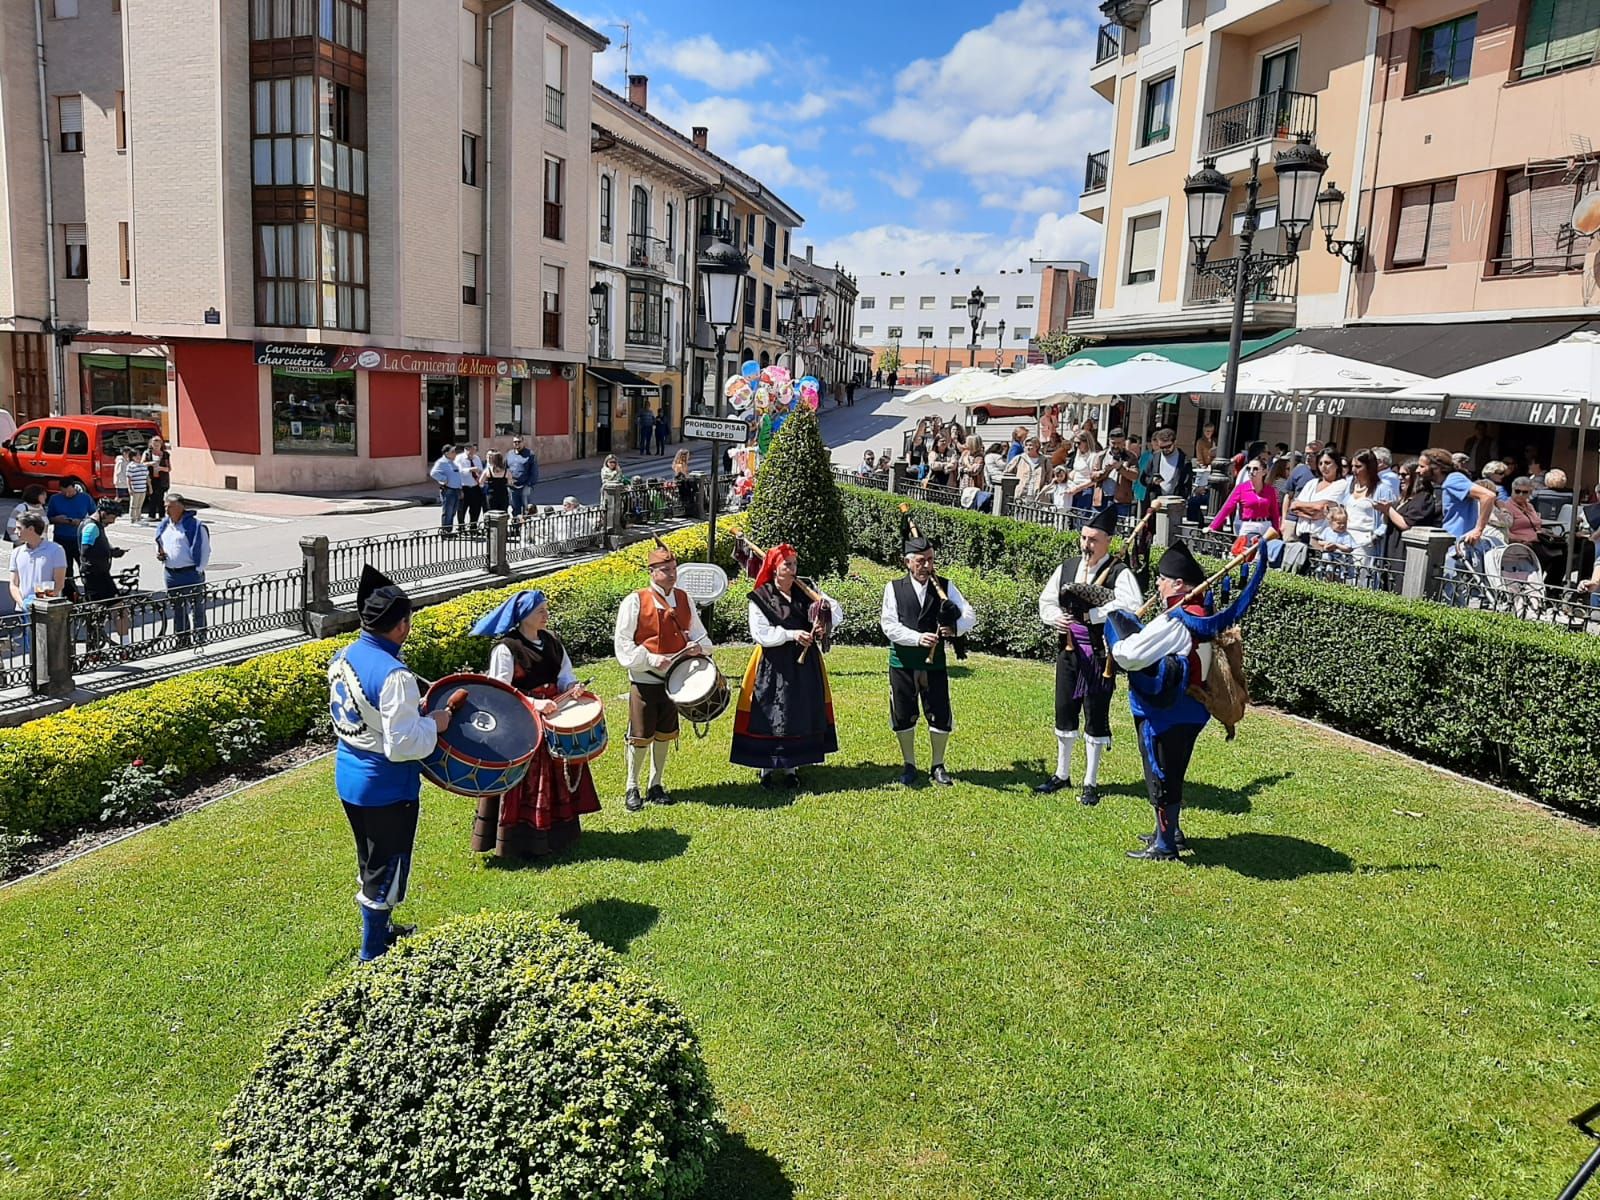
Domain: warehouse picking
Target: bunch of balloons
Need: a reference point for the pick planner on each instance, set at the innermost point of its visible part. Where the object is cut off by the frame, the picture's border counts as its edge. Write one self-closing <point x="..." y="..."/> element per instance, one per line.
<point x="770" y="394"/>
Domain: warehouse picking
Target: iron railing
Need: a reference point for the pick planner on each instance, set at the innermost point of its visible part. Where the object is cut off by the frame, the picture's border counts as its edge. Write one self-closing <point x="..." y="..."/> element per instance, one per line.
<point x="1275" y="115"/>
<point x="1083" y="297"/>
<point x="555" y="533"/>
<point x="409" y="556"/>
<point x="1108" y="45"/>
<point x="1095" y="170"/>
<point x="1214" y="285"/>
<point x="555" y="106"/>
<point x="1557" y="262"/>
<point x="1062" y="520"/>
<point x="646" y="253"/>
<point x="932" y="493"/>
<point x="16" y="651"/>
<point x="878" y="479"/>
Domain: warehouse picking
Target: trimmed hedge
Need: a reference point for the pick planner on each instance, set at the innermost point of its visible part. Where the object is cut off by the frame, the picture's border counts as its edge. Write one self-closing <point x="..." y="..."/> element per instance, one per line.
<point x="498" y="1056"/>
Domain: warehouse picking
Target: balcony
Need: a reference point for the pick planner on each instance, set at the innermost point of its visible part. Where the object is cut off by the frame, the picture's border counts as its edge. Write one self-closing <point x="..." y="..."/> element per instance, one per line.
<point x="1270" y="304"/>
<point x="1107" y="58"/>
<point x="646" y="253"/>
<point x="1083" y="298"/>
<point x="555" y="106"/>
<point x="1108" y="45"/>
<point x="1092" y="200"/>
<point x="1278" y="118"/>
<point x="643" y="346"/>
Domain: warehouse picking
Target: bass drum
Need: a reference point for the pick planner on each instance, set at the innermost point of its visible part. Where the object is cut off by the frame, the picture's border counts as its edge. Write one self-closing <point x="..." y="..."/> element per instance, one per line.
<point x="699" y="692"/>
<point x="492" y="738"/>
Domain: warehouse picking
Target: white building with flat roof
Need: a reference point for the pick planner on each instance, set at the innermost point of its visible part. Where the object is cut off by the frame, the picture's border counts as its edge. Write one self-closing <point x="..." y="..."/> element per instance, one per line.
<point x="925" y="314"/>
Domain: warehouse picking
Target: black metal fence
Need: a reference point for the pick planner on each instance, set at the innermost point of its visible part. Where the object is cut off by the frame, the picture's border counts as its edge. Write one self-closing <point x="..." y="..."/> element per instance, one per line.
<point x="16" y="652"/>
<point x="1214" y="285"/>
<point x="1063" y="520"/>
<point x="1083" y="297"/>
<point x="1096" y="170"/>
<point x="555" y="533"/>
<point x="410" y="556"/>
<point x="1108" y="45"/>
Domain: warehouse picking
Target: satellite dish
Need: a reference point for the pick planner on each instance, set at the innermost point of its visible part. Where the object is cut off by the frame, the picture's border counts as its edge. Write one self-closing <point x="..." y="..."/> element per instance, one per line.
<point x="1586" y="215"/>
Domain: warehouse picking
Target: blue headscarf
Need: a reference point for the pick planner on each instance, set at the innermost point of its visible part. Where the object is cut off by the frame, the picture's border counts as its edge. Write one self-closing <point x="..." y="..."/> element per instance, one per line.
<point x="509" y="615"/>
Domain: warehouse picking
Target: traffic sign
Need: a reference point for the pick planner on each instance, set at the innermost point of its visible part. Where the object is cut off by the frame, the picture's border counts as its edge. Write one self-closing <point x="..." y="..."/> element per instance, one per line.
<point x="714" y="429"/>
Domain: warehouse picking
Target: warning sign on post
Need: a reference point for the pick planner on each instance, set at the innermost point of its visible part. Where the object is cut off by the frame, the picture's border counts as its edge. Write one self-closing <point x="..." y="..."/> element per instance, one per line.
<point x="714" y="429"/>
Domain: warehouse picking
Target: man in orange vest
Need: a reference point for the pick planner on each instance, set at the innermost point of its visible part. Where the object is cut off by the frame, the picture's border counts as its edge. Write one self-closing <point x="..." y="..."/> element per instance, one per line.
<point x="655" y="625"/>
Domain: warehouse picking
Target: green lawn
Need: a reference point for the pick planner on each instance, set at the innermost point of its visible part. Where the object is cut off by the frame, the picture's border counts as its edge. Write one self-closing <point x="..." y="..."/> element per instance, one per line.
<point x="962" y="992"/>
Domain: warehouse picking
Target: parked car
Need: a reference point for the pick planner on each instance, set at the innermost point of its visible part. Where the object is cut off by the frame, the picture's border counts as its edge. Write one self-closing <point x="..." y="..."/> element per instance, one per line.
<point x="83" y="448"/>
<point x="1003" y="410"/>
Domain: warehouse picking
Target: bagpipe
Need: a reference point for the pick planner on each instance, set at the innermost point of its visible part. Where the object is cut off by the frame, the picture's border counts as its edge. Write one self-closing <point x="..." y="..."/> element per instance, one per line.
<point x="749" y="557"/>
<point x="949" y="614"/>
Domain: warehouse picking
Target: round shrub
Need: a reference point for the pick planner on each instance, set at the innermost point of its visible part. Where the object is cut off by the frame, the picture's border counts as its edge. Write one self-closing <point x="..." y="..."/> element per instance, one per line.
<point x="501" y="1055"/>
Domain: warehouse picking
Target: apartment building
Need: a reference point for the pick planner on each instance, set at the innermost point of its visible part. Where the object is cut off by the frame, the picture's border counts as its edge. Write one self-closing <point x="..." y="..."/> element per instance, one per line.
<point x="826" y="346"/>
<point x="647" y="181"/>
<point x="924" y="317"/>
<point x="316" y="241"/>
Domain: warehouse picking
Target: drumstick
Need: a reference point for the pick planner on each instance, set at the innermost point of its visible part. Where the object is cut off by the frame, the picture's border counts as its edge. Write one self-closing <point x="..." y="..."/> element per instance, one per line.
<point x="458" y="700"/>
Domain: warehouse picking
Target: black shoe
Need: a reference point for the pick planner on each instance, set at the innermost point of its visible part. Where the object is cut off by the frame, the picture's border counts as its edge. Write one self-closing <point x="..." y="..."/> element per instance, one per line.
<point x="1181" y="842"/>
<point x="1052" y="785"/>
<point x="1090" y="795"/>
<point x="908" y="775"/>
<point x="396" y="932"/>
<point x="1151" y="854"/>
<point x="634" y="802"/>
<point x="791" y="779"/>
<point x="940" y="776"/>
<point x="658" y="795"/>
<point x="769" y="780"/>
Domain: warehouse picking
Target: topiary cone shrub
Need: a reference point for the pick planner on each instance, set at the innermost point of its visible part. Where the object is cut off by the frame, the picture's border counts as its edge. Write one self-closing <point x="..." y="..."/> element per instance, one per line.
<point x="797" y="501"/>
<point x="501" y="1055"/>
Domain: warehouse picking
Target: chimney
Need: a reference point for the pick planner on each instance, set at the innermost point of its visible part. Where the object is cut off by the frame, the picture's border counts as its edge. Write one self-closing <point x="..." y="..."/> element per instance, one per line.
<point x="810" y="253"/>
<point x="639" y="92"/>
<point x="700" y="132"/>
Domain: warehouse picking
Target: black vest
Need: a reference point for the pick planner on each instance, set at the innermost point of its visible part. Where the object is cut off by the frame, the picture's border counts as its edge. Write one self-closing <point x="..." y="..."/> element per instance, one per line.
<point x="534" y="666"/>
<point x="1110" y="571"/>
<point x="924" y="619"/>
<point x="793" y="613"/>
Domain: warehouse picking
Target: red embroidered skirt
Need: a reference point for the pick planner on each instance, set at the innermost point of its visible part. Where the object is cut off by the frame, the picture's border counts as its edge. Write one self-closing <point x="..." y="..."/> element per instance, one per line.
<point x="540" y="815"/>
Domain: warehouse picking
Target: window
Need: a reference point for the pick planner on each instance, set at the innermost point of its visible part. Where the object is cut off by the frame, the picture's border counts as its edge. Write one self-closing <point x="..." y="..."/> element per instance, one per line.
<point x="769" y="245"/>
<point x="1021" y="333"/>
<point x="926" y="302"/>
<point x="63" y="9"/>
<point x="672" y="228"/>
<point x="605" y="208"/>
<point x="896" y="303"/>
<point x="644" y="311"/>
<point x="122" y="122"/>
<point x="284" y="149"/>
<point x="555" y="83"/>
<point x="1144" y="244"/>
<point x="866" y="331"/>
<point x="766" y="307"/>
<point x="1444" y="54"/>
<point x="956" y="331"/>
<point x="1423" y="224"/>
<point x="1531" y="236"/>
<point x="1156" y="121"/>
<point x="343" y="22"/>
<point x="749" y="230"/>
<point x="469" y="279"/>
<point x="76" y="237"/>
<point x="1024" y="301"/>
<point x="639" y="213"/>
<point x="925" y="333"/>
<point x="786" y="247"/>
<point x="313" y="414"/>
<point x="123" y="257"/>
<point x="1559" y="34"/>
<point x="69" y="115"/>
<point x="895" y="331"/>
<point x="508" y="407"/>
<point x="272" y="19"/>
<point x="551" y="278"/>
<point x="749" y="304"/>
<point x="869" y="302"/>
<point x="469" y="36"/>
<point x="311" y="276"/>
<point x="552" y="198"/>
<point x="342" y="126"/>
<point x="469" y="159"/>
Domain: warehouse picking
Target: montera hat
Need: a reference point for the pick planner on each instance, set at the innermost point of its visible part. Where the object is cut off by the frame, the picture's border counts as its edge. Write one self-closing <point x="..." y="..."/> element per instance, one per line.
<point x="660" y="555"/>
<point x="1177" y="563"/>
<point x="1105" y="520"/>
<point x="381" y="602"/>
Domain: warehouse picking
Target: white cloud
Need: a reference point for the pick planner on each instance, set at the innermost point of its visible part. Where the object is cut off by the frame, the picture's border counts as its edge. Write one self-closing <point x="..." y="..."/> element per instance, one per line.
<point x="1038" y="199"/>
<point x="701" y="58"/>
<point x="729" y="120"/>
<point x="770" y="164"/>
<point x="836" y="200"/>
<point x="903" y="248"/>
<point x="904" y="185"/>
<point x="808" y="108"/>
<point x="1009" y="98"/>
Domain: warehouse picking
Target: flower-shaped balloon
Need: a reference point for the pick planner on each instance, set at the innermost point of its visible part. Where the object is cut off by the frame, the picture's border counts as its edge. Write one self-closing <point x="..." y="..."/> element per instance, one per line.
<point x="811" y="391"/>
<point x="775" y="375"/>
<point x="750" y="370"/>
<point x="763" y="398"/>
<point x="739" y="393"/>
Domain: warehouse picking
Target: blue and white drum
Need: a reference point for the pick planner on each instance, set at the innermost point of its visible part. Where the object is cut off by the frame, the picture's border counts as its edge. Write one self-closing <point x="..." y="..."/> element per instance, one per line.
<point x="576" y="731"/>
<point x="492" y="738"/>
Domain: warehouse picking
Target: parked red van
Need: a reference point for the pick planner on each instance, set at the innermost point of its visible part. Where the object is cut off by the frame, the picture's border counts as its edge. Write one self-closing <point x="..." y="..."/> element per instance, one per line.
<point x="84" y="448"/>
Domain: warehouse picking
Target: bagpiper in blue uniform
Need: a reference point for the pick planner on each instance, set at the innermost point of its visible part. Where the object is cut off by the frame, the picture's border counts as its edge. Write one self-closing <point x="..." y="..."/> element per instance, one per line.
<point x="383" y="736"/>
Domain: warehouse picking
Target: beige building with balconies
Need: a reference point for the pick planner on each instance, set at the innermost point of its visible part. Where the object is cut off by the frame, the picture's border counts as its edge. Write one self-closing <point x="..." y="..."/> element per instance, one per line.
<point x="316" y="242"/>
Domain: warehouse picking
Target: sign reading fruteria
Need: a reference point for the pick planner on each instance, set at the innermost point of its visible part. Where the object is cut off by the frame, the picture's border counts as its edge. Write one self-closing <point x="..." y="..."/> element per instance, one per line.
<point x="299" y="356"/>
<point x="715" y="429"/>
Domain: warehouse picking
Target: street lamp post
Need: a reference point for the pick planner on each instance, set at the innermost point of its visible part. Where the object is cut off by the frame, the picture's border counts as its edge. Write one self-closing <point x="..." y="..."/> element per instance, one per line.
<point x="974" y="316"/>
<point x="723" y="269"/>
<point x="922" y="359"/>
<point x="1299" y="170"/>
<point x="1000" y="347"/>
<point x="598" y="295"/>
<point x="808" y="294"/>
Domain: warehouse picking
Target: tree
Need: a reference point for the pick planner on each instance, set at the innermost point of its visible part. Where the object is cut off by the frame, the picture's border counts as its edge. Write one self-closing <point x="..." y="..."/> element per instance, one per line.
<point x="796" y="500"/>
<point x="889" y="360"/>
<point x="1058" y="345"/>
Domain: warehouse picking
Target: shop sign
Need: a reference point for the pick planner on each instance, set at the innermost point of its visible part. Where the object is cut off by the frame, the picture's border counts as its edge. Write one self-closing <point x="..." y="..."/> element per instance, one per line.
<point x="1553" y="414"/>
<point x="296" y="356"/>
<point x="299" y="356"/>
<point x="1375" y="407"/>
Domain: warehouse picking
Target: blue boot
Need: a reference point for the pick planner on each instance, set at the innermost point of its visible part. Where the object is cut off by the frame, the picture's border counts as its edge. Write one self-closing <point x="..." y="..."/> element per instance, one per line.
<point x="374" y="932"/>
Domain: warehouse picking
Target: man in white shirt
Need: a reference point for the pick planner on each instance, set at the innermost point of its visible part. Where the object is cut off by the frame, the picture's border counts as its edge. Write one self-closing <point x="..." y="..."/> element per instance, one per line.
<point x="921" y="611"/>
<point x="38" y="567"/>
<point x="183" y="545"/>
<point x="471" y="468"/>
<point x="1082" y="683"/>
<point x="447" y="475"/>
<point x="655" y="627"/>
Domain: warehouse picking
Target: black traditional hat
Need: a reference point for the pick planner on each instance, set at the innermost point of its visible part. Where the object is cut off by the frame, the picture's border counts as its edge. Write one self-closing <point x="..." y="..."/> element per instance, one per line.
<point x="381" y="603"/>
<point x="1105" y="520"/>
<point x="1177" y="563"/>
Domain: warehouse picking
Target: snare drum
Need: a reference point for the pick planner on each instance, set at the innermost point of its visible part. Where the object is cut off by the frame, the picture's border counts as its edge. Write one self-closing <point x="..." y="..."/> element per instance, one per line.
<point x="576" y="731"/>
<point x="697" y="689"/>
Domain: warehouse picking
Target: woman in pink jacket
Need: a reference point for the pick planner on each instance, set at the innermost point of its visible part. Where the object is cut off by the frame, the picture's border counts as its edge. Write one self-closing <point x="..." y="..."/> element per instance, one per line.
<point x="1257" y="502"/>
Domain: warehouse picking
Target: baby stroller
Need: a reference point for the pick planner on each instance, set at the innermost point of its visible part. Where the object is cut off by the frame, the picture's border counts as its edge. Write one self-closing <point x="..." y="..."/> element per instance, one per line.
<point x="1512" y="580"/>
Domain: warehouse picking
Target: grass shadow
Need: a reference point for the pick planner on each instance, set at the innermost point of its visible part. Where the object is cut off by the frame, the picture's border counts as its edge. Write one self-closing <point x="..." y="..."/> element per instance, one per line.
<point x="747" y="794"/>
<point x="1205" y="795"/>
<point x="741" y="1172"/>
<point x="623" y="845"/>
<point x="614" y="923"/>
<point x="1269" y="857"/>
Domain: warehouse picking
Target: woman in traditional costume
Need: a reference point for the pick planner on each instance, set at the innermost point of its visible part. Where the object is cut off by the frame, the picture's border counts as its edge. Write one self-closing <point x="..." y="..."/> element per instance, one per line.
<point x="540" y="815"/>
<point x="785" y="716"/>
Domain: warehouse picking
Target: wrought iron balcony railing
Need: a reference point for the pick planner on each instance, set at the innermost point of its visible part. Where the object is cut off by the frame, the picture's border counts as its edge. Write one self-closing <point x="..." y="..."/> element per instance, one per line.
<point x="1095" y="170"/>
<point x="646" y="253"/>
<point x="1280" y="114"/>
<point x="1083" y="297"/>
<point x="1280" y="285"/>
<point x="1109" y="45"/>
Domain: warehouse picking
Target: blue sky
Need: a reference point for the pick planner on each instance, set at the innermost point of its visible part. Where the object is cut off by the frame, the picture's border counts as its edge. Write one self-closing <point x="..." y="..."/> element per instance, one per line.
<point x="912" y="136"/>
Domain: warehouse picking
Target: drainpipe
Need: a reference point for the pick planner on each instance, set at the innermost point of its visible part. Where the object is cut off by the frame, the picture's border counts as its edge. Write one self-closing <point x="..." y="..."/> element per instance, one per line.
<point x="58" y="403"/>
<point x="488" y="172"/>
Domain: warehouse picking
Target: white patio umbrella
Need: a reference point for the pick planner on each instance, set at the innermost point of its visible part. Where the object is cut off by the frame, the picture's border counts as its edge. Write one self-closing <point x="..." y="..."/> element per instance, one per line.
<point x="1566" y="371"/>
<point x="1141" y="375"/>
<point x="952" y="388"/>
<point x="1297" y="369"/>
